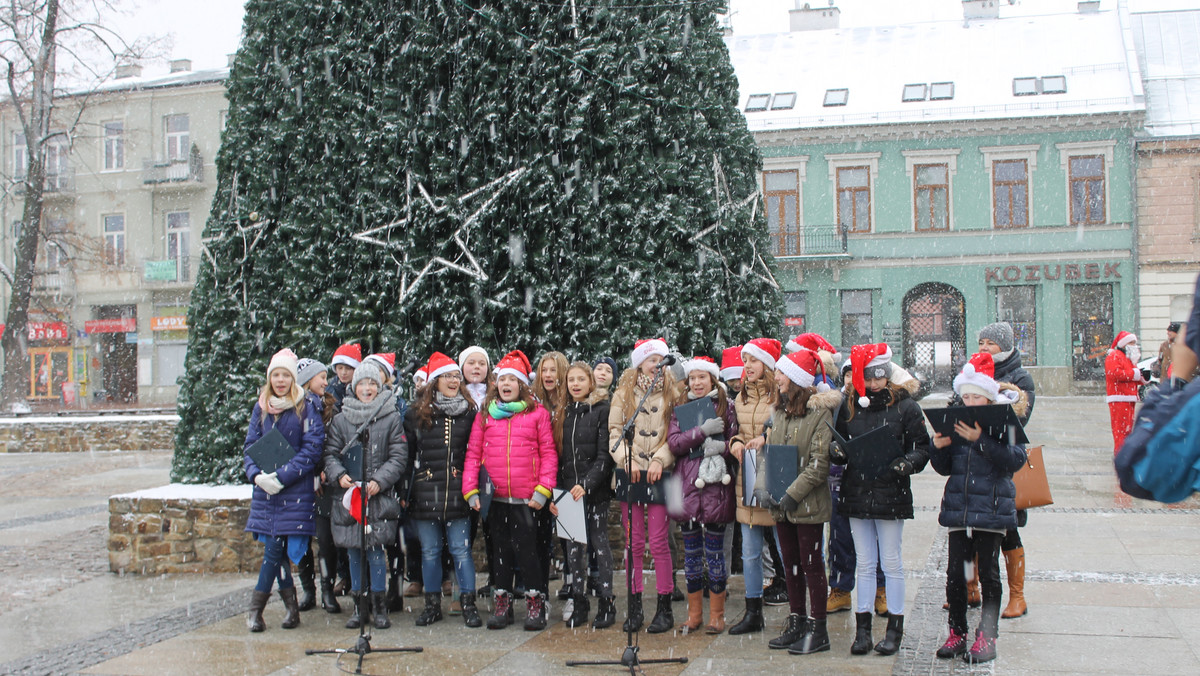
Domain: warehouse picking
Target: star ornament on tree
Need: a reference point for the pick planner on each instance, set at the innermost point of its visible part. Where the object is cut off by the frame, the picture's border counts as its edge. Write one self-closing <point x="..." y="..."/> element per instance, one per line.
<point x="461" y="258"/>
<point x="725" y="205"/>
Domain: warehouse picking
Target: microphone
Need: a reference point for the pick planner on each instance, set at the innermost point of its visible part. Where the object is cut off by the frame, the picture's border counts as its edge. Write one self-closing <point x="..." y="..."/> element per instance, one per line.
<point x="666" y="361"/>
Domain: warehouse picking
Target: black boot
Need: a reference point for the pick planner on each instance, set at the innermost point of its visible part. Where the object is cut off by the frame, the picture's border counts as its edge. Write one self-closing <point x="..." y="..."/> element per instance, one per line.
<point x="361" y="611"/>
<point x="433" y="609"/>
<point x="751" y="621"/>
<point x="535" y="605"/>
<point x="254" y="619"/>
<point x="328" y="599"/>
<point x="890" y="644"/>
<point x="664" y="619"/>
<point x="793" y="632"/>
<point x="292" y="619"/>
<point x="503" y="615"/>
<point x="815" y="639"/>
<point x="606" y="613"/>
<point x="470" y="612"/>
<point x="862" y="635"/>
<point x="307" y="582"/>
<point x="395" y="588"/>
<point x="634" y="621"/>
<point x="579" y="616"/>
<point x="677" y="594"/>
<point x="776" y="593"/>
<point x="379" y="608"/>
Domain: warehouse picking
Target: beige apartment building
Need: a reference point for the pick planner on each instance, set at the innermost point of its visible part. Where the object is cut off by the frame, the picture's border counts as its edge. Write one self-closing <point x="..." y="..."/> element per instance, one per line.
<point x="128" y="190"/>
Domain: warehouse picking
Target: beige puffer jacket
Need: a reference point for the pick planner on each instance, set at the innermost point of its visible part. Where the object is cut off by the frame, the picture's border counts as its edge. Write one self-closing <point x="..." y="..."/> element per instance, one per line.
<point x="753" y="412"/>
<point x="649" y="430"/>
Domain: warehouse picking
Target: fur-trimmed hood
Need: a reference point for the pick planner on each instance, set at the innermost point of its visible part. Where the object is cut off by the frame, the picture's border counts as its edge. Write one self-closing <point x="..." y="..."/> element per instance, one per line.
<point x="904" y="379"/>
<point x="830" y="400"/>
<point x="598" y="395"/>
<point x="1021" y="405"/>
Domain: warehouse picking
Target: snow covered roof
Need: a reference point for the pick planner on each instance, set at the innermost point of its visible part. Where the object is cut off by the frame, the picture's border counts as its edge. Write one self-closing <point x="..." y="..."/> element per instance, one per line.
<point x="1168" y="49"/>
<point x="180" y="79"/>
<point x="1069" y="63"/>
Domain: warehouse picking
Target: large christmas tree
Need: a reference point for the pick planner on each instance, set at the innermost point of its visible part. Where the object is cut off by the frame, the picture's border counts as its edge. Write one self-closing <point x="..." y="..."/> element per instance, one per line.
<point x="422" y="175"/>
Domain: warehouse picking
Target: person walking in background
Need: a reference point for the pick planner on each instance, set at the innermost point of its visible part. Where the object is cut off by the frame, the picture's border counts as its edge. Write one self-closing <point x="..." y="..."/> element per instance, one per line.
<point x="1122" y="379"/>
<point x="878" y="505"/>
<point x="1162" y="367"/>
<point x="282" y="504"/>
<point x="708" y="507"/>
<point x="978" y="506"/>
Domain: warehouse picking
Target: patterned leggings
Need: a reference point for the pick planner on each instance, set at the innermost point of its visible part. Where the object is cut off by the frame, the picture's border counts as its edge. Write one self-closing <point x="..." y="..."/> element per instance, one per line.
<point x="704" y="545"/>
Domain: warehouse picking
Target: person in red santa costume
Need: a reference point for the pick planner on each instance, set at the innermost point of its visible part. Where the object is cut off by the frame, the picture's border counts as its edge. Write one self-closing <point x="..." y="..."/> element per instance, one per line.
<point x="1122" y="378"/>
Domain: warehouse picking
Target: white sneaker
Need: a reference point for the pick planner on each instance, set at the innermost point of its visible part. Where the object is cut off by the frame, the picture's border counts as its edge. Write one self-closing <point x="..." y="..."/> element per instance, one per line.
<point x="568" y="609"/>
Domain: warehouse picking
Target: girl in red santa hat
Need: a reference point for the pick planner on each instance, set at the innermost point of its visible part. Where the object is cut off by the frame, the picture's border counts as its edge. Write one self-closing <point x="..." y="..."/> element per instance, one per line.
<point x="651" y="456"/>
<point x="878" y="505"/>
<point x="513" y="438"/>
<point x="978" y="506"/>
<point x="1122" y="378"/>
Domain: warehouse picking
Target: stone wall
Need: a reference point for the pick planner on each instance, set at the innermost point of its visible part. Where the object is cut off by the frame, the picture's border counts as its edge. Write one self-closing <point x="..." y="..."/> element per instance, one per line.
<point x="52" y="434"/>
<point x="182" y="529"/>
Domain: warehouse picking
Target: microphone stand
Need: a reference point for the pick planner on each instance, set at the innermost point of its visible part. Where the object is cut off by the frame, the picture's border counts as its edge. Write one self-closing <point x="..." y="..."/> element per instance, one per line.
<point x="630" y="657"/>
<point x="362" y="646"/>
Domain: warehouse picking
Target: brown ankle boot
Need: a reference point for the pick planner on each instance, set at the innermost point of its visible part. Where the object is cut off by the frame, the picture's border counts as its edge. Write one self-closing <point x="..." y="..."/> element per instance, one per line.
<point x="974" y="597"/>
<point x="716" y="613"/>
<point x="1014" y="562"/>
<point x="695" y="616"/>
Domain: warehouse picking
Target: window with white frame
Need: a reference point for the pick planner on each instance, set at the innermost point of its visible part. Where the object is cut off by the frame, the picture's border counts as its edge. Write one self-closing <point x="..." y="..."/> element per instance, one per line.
<point x="1010" y="172"/>
<point x="853" y="176"/>
<point x="1086" y="166"/>
<point x="931" y="173"/>
<point x="178" y="236"/>
<point x="114" y="145"/>
<point x="114" y="239"/>
<point x="177" y="136"/>
<point x="20" y="155"/>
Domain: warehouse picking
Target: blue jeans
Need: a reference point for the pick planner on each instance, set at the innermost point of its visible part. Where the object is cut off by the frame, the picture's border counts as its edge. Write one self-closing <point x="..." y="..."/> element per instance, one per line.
<point x="842" y="562"/>
<point x="275" y="565"/>
<point x="752" y="570"/>
<point x="458" y="541"/>
<point x="376" y="567"/>
<point x="879" y="542"/>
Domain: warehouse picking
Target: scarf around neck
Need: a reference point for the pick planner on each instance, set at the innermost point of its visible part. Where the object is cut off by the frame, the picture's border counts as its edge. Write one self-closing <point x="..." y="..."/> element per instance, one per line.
<point x="711" y="395"/>
<point x="275" y="405"/>
<point x="478" y="392"/>
<point x="358" y="412"/>
<point x="451" y="406"/>
<point x="499" y="410"/>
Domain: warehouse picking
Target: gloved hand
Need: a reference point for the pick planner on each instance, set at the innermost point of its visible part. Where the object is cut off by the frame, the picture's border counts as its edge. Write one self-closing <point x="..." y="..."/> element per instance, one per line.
<point x="901" y="467"/>
<point x="788" y="504"/>
<point x="764" y="498"/>
<point x="837" y="455"/>
<point x="268" y="482"/>
<point x="712" y="426"/>
<point x="474" y="502"/>
<point x="713" y="447"/>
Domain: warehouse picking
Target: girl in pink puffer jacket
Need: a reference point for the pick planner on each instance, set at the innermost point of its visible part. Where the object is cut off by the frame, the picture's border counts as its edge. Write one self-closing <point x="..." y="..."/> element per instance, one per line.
<point x="513" y="439"/>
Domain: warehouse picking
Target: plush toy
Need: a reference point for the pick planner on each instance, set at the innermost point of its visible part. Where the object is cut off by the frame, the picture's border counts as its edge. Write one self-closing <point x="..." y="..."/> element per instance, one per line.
<point x="712" y="471"/>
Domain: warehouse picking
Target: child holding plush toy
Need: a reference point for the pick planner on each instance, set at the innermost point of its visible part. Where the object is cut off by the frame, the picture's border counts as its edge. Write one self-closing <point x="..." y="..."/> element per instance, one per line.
<point x="709" y="502"/>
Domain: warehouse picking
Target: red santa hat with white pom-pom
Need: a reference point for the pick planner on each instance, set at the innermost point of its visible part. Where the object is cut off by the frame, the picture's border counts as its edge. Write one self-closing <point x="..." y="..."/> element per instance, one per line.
<point x="1123" y="338"/>
<point x="813" y="342"/>
<point x="802" y="367"/>
<point x="439" y="364"/>
<point x="863" y="357"/>
<point x="702" y="363"/>
<point x="514" y="363"/>
<point x="979" y="377"/>
<point x="765" y="350"/>
<point x="645" y="348"/>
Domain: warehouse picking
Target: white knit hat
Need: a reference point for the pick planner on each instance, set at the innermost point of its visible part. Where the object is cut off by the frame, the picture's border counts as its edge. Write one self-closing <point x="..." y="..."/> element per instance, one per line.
<point x="646" y="348"/>
<point x="285" y="359"/>
<point x="474" y="349"/>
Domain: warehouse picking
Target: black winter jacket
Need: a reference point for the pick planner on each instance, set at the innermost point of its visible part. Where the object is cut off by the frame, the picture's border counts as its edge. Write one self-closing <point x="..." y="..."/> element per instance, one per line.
<point x="584" y="459"/>
<point x="433" y="487"/>
<point x="890" y="495"/>
<point x="980" y="491"/>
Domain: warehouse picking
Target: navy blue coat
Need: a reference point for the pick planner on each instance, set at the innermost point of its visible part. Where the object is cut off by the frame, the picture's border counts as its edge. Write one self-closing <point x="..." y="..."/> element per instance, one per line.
<point x="289" y="512"/>
<point x="980" y="491"/>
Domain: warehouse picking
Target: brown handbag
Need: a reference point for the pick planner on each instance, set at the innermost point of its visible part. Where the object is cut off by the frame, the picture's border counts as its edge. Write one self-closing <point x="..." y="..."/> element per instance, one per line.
<point x="1033" y="489"/>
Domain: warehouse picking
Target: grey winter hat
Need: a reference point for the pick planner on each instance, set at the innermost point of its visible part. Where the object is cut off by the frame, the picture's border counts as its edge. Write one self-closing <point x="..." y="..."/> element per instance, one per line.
<point x="307" y="369"/>
<point x="367" y="370"/>
<point x="881" y="371"/>
<point x="1000" y="333"/>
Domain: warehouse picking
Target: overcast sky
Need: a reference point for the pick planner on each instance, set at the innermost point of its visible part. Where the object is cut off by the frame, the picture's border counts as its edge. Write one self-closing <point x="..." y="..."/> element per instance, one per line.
<point x="206" y="32"/>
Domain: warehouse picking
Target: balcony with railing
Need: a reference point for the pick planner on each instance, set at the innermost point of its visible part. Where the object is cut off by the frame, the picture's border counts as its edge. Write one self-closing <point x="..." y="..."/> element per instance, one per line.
<point x="187" y="172"/>
<point x="815" y="242"/>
